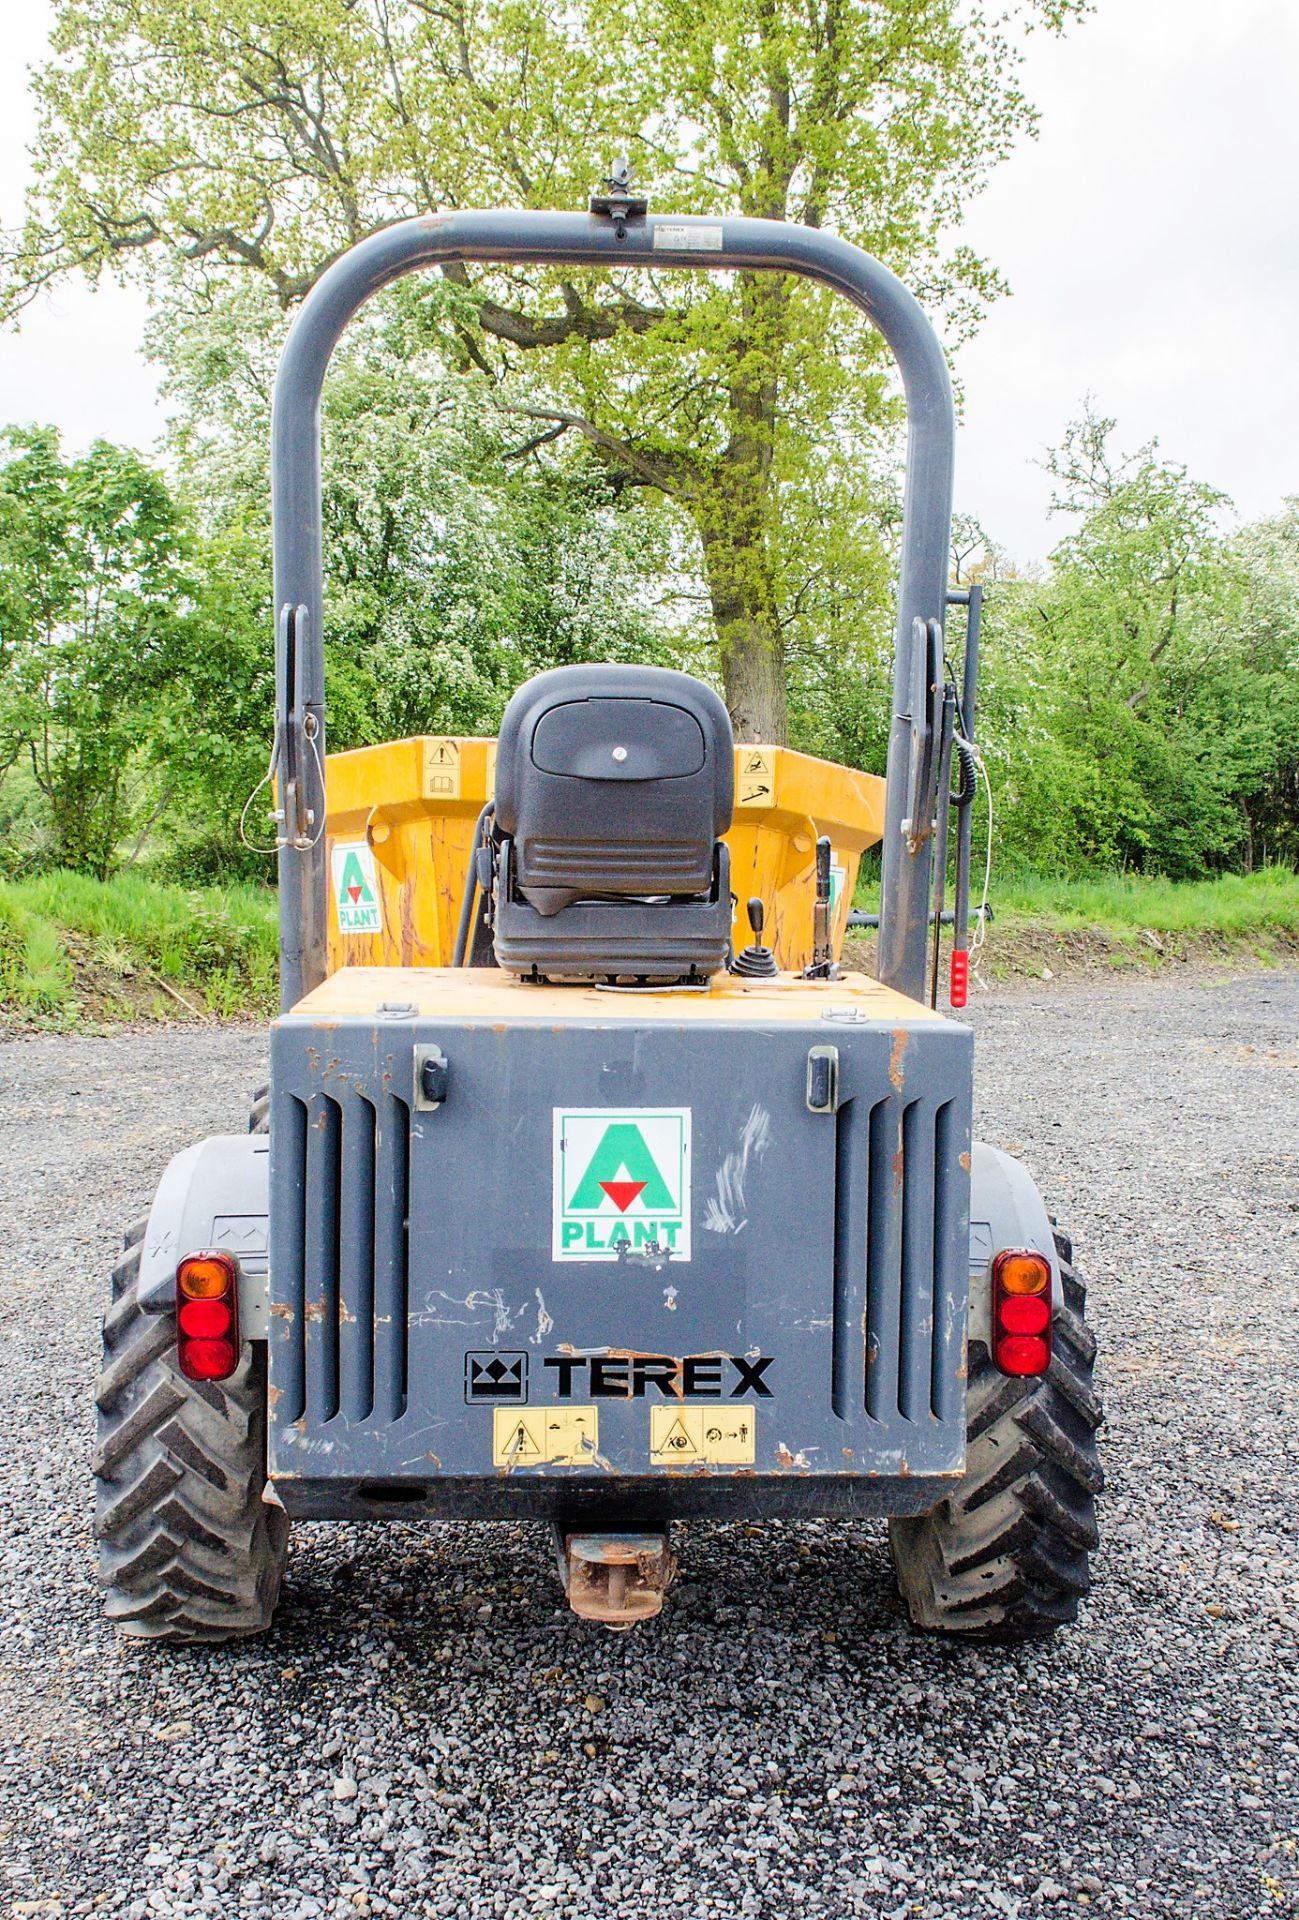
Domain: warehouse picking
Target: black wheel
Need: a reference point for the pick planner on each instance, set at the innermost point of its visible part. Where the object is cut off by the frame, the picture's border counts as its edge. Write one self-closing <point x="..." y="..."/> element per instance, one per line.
<point x="259" y="1114"/>
<point x="188" y="1549"/>
<point x="1006" y="1556"/>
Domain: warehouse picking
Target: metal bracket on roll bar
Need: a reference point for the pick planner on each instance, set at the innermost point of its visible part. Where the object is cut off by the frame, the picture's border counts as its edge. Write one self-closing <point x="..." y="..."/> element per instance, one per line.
<point x="296" y="819"/>
<point x="926" y="700"/>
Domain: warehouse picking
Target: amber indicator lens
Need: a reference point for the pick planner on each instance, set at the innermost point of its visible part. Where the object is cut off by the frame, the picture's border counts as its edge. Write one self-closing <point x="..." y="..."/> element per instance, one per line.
<point x="205" y="1276"/>
<point x="1023" y="1273"/>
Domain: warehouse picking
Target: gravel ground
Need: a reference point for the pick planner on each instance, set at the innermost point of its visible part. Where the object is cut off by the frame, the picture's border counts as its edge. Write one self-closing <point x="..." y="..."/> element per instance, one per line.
<point x="427" y="1731"/>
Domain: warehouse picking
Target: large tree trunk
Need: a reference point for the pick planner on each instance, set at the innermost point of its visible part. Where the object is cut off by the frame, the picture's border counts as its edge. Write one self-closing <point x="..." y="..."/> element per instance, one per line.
<point x="748" y="633"/>
<point x="734" y="513"/>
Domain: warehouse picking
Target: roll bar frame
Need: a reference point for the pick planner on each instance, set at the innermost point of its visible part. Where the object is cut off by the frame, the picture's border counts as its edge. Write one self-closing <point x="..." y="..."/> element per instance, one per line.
<point x="596" y="240"/>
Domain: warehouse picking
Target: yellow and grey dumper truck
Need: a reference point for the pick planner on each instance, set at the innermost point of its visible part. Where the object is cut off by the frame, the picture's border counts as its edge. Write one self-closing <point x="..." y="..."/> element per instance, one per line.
<point x="577" y="1194"/>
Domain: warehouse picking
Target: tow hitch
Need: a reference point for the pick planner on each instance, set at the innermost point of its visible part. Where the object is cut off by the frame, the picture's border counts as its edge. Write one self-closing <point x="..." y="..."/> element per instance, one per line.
<point x="614" y="1578"/>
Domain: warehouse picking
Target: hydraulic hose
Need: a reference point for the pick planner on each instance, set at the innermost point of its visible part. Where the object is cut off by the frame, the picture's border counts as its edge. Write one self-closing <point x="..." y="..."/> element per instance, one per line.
<point x="471" y="887"/>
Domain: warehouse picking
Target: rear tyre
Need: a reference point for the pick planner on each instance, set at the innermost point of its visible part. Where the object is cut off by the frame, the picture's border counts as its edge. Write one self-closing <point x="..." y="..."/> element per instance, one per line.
<point x="188" y="1549"/>
<point x="259" y="1113"/>
<point x="1006" y="1557"/>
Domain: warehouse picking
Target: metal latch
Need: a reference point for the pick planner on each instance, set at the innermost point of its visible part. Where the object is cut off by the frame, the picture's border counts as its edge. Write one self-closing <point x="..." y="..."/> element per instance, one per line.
<point x="432" y="1078"/>
<point x="823" y="1080"/>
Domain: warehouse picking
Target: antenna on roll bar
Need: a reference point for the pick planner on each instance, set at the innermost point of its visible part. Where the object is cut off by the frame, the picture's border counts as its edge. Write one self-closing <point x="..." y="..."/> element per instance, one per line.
<point x="620" y="201"/>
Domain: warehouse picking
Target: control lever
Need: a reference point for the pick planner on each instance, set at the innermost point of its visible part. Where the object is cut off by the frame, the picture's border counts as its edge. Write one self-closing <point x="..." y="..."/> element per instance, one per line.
<point x="822" y="965"/>
<point x="757" y="962"/>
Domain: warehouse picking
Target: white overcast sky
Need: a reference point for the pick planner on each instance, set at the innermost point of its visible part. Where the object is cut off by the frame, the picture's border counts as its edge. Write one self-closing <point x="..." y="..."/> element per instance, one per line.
<point x="1150" y="236"/>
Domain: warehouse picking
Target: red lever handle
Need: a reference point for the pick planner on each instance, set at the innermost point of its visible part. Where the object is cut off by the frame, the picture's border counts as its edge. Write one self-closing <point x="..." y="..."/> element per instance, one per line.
<point x="960" y="977"/>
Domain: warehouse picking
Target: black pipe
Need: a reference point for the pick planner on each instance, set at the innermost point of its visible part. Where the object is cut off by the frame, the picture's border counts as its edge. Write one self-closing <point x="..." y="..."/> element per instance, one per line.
<point x="947" y="727"/>
<point x="471" y="887"/>
<point x="859" y="919"/>
<point x="965" y="813"/>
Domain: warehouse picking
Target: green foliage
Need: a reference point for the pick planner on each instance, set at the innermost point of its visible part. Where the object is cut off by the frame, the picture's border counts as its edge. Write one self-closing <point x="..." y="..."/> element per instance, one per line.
<point x="35" y="978"/>
<point x="517" y="461"/>
<point x="1140" y="706"/>
<point x="1232" y="904"/>
<point x="251" y="141"/>
<point x="93" y="604"/>
<point x="453" y="569"/>
<point x="62" y="935"/>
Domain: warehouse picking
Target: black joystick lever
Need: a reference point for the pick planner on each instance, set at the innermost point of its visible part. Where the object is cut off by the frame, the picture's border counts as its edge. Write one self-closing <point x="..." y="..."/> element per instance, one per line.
<point x="756" y="962"/>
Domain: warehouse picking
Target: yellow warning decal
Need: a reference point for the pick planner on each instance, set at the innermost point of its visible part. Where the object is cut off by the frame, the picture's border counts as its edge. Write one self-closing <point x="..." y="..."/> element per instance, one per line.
<point x="442" y="769"/>
<point x="544" y="1436"/>
<point x="757" y="777"/>
<point x="702" y="1436"/>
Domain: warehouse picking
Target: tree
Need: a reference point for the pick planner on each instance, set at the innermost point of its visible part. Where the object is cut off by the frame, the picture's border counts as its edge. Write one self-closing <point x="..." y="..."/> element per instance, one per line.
<point x="239" y="137"/>
<point x="452" y="571"/>
<point x="1141" y="702"/>
<point x="92" y="629"/>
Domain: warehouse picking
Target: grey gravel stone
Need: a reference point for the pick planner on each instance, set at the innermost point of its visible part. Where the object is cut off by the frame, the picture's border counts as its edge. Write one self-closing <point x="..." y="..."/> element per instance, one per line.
<point x="779" y="1744"/>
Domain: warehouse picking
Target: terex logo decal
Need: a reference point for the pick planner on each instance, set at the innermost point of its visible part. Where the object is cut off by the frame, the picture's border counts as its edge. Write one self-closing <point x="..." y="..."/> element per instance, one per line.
<point x="621" y="1182"/>
<point x="356" y="890"/>
<point x="699" y="1376"/>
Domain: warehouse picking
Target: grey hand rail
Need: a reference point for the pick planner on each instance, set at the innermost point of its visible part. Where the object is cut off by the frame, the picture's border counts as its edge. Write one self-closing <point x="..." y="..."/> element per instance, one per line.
<point x="573" y="239"/>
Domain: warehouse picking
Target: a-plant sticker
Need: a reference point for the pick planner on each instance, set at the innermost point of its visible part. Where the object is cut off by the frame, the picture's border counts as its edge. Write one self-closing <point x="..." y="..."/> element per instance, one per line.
<point x="356" y="889"/>
<point x="621" y="1183"/>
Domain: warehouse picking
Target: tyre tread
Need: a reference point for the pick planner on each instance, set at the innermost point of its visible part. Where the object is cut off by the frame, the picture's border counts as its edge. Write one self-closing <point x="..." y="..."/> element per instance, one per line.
<point x="188" y="1549"/>
<point x="1006" y="1556"/>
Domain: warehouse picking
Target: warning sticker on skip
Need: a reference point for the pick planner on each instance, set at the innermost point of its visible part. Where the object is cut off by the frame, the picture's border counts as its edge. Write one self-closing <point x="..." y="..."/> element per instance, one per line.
<point x="544" y="1436"/>
<point x="755" y="782"/>
<point x="441" y="769"/>
<point x="702" y="1436"/>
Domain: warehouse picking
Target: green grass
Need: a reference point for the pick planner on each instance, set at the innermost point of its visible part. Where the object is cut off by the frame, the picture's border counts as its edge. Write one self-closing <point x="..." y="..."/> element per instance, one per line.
<point x="75" y="951"/>
<point x="1126" y="920"/>
<point x="1233" y="904"/>
<point x="72" y="948"/>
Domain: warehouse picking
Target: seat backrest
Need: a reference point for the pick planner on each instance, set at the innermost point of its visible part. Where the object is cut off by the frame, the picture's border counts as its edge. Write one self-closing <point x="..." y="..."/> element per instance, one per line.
<point x="613" y="781"/>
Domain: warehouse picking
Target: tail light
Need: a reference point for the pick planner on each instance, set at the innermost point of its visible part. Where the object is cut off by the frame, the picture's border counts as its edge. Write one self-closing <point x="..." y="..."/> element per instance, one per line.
<point x="207" y="1316"/>
<point x="1021" y="1312"/>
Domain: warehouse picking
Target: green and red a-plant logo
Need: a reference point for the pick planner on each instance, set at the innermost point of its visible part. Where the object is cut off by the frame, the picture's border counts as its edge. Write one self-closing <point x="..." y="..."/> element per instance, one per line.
<point x="356" y="889"/>
<point x="621" y="1182"/>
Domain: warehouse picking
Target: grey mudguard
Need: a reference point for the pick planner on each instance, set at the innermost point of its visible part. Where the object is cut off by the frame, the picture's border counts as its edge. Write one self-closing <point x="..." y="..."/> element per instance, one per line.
<point x="213" y="1197"/>
<point x="1006" y="1210"/>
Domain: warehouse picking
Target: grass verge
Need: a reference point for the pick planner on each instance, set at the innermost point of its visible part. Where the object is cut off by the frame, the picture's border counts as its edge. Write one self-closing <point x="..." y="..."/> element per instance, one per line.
<point x="1044" y="928"/>
<point x="77" y="952"/>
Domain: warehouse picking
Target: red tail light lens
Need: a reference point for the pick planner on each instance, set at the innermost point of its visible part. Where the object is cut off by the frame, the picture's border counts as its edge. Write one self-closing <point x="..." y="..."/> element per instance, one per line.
<point x="207" y="1316"/>
<point x="1021" y="1312"/>
<point x="204" y="1319"/>
<point x="1025" y="1313"/>
<point x="207" y="1359"/>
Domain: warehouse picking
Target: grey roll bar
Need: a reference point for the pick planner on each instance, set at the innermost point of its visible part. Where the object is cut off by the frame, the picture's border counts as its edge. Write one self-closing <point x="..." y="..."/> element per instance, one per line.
<point x="593" y="239"/>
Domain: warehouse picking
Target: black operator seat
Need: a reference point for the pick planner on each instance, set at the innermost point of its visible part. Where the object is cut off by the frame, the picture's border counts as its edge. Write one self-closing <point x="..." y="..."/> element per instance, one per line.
<point x="614" y="786"/>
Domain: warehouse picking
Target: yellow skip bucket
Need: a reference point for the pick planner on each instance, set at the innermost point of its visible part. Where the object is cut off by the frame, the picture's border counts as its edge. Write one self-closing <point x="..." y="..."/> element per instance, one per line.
<point x="400" y="825"/>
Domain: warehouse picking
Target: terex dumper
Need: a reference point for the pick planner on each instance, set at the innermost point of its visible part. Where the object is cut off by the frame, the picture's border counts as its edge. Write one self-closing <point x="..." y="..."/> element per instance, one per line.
<point x="571" y="1197"/>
